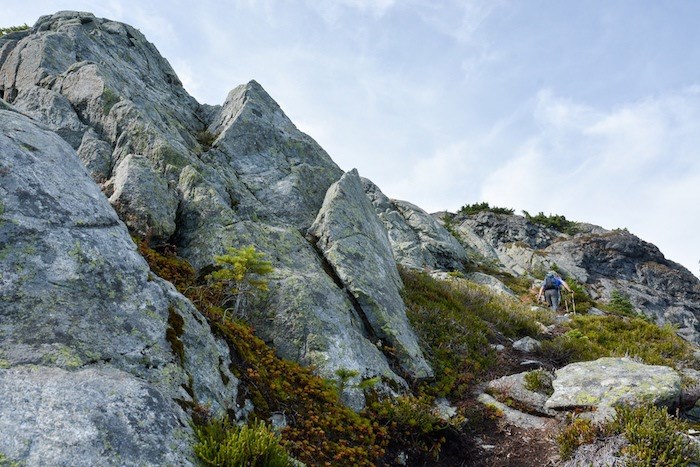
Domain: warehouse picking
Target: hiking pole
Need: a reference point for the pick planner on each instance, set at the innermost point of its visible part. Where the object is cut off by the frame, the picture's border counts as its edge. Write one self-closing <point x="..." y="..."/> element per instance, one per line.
<point x="566" y="304"/>
<point x="573" y="301"/>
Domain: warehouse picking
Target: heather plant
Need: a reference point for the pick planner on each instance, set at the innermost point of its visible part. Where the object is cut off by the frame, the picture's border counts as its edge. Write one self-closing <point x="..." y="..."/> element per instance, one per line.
<point x="220" y="443"/>
<point x="581" y="431"/>
<point x="321" y="430"/>
<point x="454" y="321"/>
<point x="592" y="337"/>
<point x="654" y="437"/>
<point x="539" y="381"/>
<point x="413" y="424"/>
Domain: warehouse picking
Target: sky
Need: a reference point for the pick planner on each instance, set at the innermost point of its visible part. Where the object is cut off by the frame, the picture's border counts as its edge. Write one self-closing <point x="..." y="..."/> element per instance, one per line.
<point x="584" y="108"/>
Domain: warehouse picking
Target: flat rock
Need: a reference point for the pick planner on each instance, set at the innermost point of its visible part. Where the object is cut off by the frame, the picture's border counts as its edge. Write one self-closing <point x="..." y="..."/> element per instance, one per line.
<point x="611" y="382"/>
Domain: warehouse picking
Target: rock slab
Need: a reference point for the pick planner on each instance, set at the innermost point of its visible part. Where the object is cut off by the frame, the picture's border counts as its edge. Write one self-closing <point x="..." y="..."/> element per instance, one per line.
<point x="355" y="243"/>
<point x="613" y="381"/>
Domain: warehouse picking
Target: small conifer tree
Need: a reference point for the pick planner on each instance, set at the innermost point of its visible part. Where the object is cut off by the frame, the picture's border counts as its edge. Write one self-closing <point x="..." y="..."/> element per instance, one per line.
<point x="241" y="273"/>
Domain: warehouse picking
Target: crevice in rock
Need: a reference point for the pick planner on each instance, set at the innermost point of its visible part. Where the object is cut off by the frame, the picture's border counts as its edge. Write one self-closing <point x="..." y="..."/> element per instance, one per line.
<point x="331" y="272"/>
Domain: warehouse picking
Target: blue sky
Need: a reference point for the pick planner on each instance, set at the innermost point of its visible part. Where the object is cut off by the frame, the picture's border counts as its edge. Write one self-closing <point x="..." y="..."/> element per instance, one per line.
<point x="589" y="109"/>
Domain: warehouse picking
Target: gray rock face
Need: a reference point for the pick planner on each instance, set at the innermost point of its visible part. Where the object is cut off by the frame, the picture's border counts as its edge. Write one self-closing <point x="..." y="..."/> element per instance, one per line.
<point x="105" y="89"/>
<point x="657" y="287"/>
<point x="354" y="242"/>
<point x="417" y="239"/>
<point x="307" y="318"/>
<point x="143" y="197"/>
<point x="609" y="382"/>
<point x="84" y="322"/>
<point x="285" y="170"/>
<point x="90" y="417"/>
<point x="203" y="177"/>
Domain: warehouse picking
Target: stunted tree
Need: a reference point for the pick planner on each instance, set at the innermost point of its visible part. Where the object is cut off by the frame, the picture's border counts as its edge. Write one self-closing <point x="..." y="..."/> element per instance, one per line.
<point x="241" y="273"/>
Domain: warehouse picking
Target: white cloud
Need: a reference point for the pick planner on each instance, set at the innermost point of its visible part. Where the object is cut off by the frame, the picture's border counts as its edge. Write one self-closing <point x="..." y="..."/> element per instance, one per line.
<point x="458" y="19"/>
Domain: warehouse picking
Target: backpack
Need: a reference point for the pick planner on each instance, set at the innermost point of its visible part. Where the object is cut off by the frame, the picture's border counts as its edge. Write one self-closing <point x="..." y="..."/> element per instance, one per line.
<point x="550" y="282"/>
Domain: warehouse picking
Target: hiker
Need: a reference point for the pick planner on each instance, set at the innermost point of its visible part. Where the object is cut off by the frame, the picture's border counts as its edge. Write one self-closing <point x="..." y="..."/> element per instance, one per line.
<point x="550" y="287"/>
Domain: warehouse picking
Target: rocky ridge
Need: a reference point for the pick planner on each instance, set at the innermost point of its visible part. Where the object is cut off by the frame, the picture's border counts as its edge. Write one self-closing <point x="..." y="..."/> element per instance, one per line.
<point x="200" y="177"/>
<point x="82" y="310"/>
<point x="601" y="260"/>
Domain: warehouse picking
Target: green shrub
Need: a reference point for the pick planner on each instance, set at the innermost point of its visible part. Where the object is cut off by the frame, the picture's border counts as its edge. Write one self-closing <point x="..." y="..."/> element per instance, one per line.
<point x="553" y="221"/>
<point x="205" y="139"/>
<point x="220" y="443"/>
<point x="655" y="437"/>
<point x="10" y="29"/>
<point x="578" y="433"/>
<point x="476" y="208"/>
<point x="592" y="337"/>
<point x="454" y="320"/>
<point x="539" y="381"/>
<point x="109" y="98"/>
<point x="413" y="424"/>
<point x="620" y="304"/>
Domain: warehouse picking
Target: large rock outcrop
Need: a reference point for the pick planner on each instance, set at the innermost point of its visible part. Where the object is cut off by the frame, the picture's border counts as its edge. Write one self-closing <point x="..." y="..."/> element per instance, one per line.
<point x="417" y="239"/>
<point x="201" y="177"/>
<point x="660" y="289"/>
<point x="87" y="372"/>
<point x="602" y="260"/>
<point x="354" y="242"/>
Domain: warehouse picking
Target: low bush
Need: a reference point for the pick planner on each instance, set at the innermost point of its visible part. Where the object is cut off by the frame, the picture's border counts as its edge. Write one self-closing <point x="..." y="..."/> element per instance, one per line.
<point x="578" y="433"/>
<point x="539" y="381"/>
<point x="655" y="438"/>
<point x="553" y="221"/>
<point x="205" y="139"/>
<point x="412" y="423"/>
<point x="476" y="208"/>
<point x="454" y="320"/>
<point x="220" y="443"/>
<point x="592" y="337"/>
